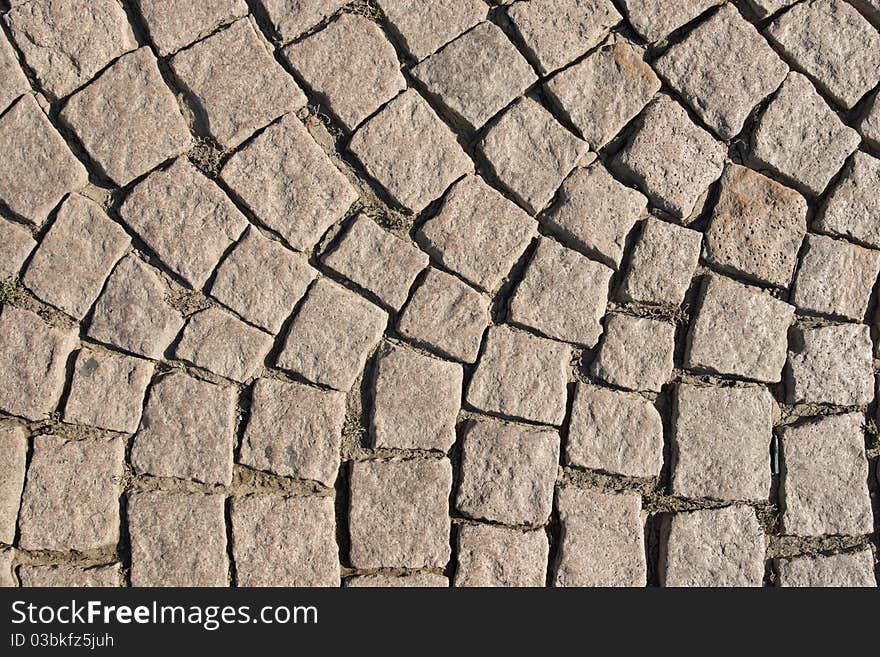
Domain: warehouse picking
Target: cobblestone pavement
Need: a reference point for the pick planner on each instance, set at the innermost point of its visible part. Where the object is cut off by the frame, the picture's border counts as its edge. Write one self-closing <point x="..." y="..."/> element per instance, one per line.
<point x="402" y="293"/>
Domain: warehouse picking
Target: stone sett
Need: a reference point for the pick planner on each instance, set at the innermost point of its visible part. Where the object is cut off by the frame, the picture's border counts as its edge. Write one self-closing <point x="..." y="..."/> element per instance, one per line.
<point x="412" y="580"/>
<point x="13" y="82"/>
<point x="284" y="541"/>
<point x="662" y="263"/>
<point x="7" y="577"/>
<point x="173" y="24"/>
<point x="130" y="93"/>
<point x="602" y="539"/>
<point x="185" y="219"/>
<point x="756" y="227"/>
<point x="870" y="122"/>
<point x="186" y="431"/>
<point x="289" y="184"/>
<point x="824" y="475"/>
<point x="853" y="204"/>
<point x="635" y="353"/>
<point x="849" y="570"/>
<point x="399" y="513"/>
<point x="16" y="244"/>
<point x="63" y="575"/>
<point x="500" y="557"/>
<point x="71" y="495"/>
<point x="656" y="19"/>
<point x="712" y="547"/>
<point x="290" y="18"/>
<point x="177" y="539"/>
<point x="33" y="357"/>
<point x="294" y="430"/>
<point x="521" y="376"/>
<point x="415" y="400"/>
<point x="614" y="431"/>
<point x="562" y="295"/>
<point x="507" y="473"/>
<point x="424" y="28"/>
<point x="739" y="330"/>
<point x="234" y="85"/>
<point x="107" y="390"/>
<point x="13" y="454"/>
<point x="74" y="258"/>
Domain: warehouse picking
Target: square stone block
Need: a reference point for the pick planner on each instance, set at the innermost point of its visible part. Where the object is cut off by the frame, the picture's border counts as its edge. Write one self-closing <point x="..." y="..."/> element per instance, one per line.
<point x="853" y="204"/>
<point x="635" y="353"/>
<point x="849" y="570"/>
<point x="424" y="27"/>
<point x="173" y="24"/>
<point x="67" y="576"/>
<point x="662" y="263"/>
<point x="500" y="557"/>
<point x="831" y="365"/>
<point x="16" y="244"/>
<point x="656" y="19"/>
<point x="290" y="18"/>
<point x="13" y="455"/>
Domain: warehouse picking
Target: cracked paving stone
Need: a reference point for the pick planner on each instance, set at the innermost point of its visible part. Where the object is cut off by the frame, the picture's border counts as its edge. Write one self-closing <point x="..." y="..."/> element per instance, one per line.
<point x="33" y="357"/>
<point x="739" y="330"/>
<point x="233" y="85"/>
<point x="870" y="122"/>
<point x="13" y="82"/>
<point x="107" y="390"/>
<point x="294" y="430"/>
<point x="415" y="400"/>
<point x="852" y="207"/>
<point x="835" y="278"/>
<point x="185" y="219"/>
<point x="16" y="244"/>
<point x="853" y="569"/>
<point x="186" y="431"/>
<point x="289" y="184"/>
<point x="635" y="352"/>
<point x="562" y="295"/>
<point x="602" y="539"/>
<point x="800" y="138"/>
<point x="415" y="580"/>
<point x="712" y="547"/>
<point x="71" y="495"/>
<point x="173" y="24"/>
<point x="507" y="473"/>
<point x="614" y="431"/>
<point x="290" y="18"/>
<point x="75" y="257"/>
<point x="521" y="376"/>
<point x="284" y="541"/>
<point x="177" y="539"/>
<point x="52" y="170"/>
<point x="500" y="557"/>
<point x="656" y="19"/>
<point x="756" y="227"/>
<point x="331" y="336"/>
<point x="130" y="93"/>
<point x="63" y="575"/>
<point x="13" y="454"/>
<point x="408" y="150"/>
<point x="424" y="28"/>
<point x="399" y="513"/>
<point x="823" y="487"/>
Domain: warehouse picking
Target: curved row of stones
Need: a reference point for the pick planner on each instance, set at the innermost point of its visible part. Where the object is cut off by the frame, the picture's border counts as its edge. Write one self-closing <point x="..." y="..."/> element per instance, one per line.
<point x="395" y="293"/>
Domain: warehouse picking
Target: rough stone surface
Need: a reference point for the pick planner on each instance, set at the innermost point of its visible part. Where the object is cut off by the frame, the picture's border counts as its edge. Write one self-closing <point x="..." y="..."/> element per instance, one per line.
<point x="425" y="27"/>
<point x="853" y="205"/>
<point x="853" y="569"/>
<point x="399" y="513"/>
<point x="13" y="82"/>
<point x="173" y="24"/>
<point x="70" y="576"/>
<point x="7" y="577"/>
<point x="13" y="454"/>
<point x="662" y="263"/>
<point x="413" y="580"/>
<point x="764" y="8"/>
<point x="522" y="376"/>
<point x="635" y="352"/>
<point x="500" y="557"/>
<point x="870" y="123"/>
<point x="16" y="244"/>
<point x="831" y="365"/>
<point x="656" y="19"/>
<point x="290" y="18"/>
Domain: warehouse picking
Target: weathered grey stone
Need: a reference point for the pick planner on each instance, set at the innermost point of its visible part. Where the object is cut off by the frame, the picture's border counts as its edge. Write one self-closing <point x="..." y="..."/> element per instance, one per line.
<point x="7" y="577"/>
<point x="413" y="580"/>
<point x="234" y="85"/>
<point x="288" y="182"/>
<point x="739" y="330"/>
<point x="129" y="93"/>
<point x="399" y="513"/>
<point x="177" y="539"/>
<point x="377" y="261"/>
<point x="13" y="82"/>
<point x="71" y="495"/>
<point x="562" y="295"/>
<point x="602" y="539"/>
<point x="294" y="430"/>
<point x="477" y="75"/>
<point x="262" y="281"/>
<point x="870" y="123"/>
<point x="33" y="357"/>
<point x="853" y="569"/>
<point x="655" y="19"/>
<point x="290" y="18"/>
<point x="496" y="556"/>
<point x="614" y="431"/>
<point x="447" y="315"/>
<point x="284" y="541"/>
<point x="67" y="576"/>
<point x="33" y="180"/>
<point x="604" y="91"/>
<point x="185" y="219"/>
<point x="635" y="353"/>
<point x="410" y="151"/>
<point x="332" y="335"/>
<point x="425" y="27"/>
<point x="833" y="44"/>
<point x="75" y="257"/>
<point x="662" y="263"/>
<point x="521" y="375"/>
<point x="173" y="24"/>
<point x="13" y="454"/>
<point x="766" y="7"/>
<point x="824" y="472"/>
<point x="415" y="400"/>
<point x="132" y="312"/>
<point x="713" y="547"/>
<point x="835" y="278"/>
<point x="107" y="390"/>
<point x="477" y="233"/>
<point x="800" y="138"/>
<point x="16" y="244"/>
<point x="186" y="431"/>
<point x="673" y="160"/>
<point x="507" y="473"/>
<point x="756" y="228"/>
<point x="531" y="153"/>
<point x="595" y="213"/>
<point x="852" y="207"/>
